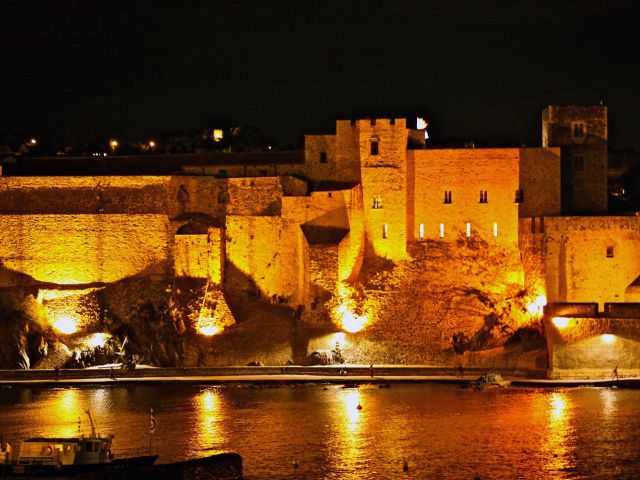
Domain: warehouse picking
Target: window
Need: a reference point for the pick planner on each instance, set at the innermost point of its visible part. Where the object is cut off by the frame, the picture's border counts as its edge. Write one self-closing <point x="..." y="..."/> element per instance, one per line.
<point x="442" y="230"/>
<point x="385" y="230"/>
<point x="323" y="157"/>
<point x="374" y="147"/>
<point x="353" y="122"/>
<point x="373" y="122"/>
<point x="609" y="252"/>
<point x="468" y="229"/>
<point x="495" y="229"/>
<point x="377" y="202"/>
<point x="578" y="163"/>
<point x="447" y="196"/>
<point x="392" y="121"/>
<point x="483" y="196"/>
<point x="421" y="230"/>
<point x="519" y="195"/>
<point x="578" y="129"/>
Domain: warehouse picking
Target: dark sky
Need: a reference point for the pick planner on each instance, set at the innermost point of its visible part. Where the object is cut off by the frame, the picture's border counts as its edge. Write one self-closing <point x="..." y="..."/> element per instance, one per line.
<point x="477" y="69"/>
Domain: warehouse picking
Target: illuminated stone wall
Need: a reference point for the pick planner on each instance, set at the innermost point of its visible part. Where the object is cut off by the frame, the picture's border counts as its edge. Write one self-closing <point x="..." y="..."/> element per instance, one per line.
<point x="199" y="256"/>
<point x="464" y="173"/>
<point x="84" y="249"/>
<point x="384" y="185"/>
<point x="592" y="347"/>
<point x="577" y="265"/>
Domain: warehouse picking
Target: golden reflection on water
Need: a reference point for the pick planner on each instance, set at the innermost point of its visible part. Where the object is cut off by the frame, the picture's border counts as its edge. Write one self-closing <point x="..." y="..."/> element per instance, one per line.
<point x="64" y="410"/>
<point x="558" y="449"/>
<point x="348" y="430"/>
<point x="210" y="415"/>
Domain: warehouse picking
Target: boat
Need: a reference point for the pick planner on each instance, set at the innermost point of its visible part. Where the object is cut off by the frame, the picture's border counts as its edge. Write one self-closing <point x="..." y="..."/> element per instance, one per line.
<point x="68" y="457"/>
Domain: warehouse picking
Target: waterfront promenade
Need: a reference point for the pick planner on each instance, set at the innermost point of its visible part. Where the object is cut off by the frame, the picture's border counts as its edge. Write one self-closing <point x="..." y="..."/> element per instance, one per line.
<point x="291" y="375"/>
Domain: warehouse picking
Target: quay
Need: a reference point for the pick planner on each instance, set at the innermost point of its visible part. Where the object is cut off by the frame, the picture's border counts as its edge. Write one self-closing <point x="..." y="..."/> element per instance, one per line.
<point x="293" y="375"/>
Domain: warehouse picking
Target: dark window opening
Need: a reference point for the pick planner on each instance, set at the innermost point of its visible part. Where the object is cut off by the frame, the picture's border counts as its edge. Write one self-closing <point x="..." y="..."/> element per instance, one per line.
<point x="374" y="147"/>
<point x="578" y="130"/>
<point x="447" y="196"/>
<point x="483" y="196"/>
<point x="519" y="195"/>
<point x="392" y="121"/>
<point x="373" y="122"/>
<point x="609" y="252"/>
<point x="323" y="157"/>
<point x="377" y="202"/>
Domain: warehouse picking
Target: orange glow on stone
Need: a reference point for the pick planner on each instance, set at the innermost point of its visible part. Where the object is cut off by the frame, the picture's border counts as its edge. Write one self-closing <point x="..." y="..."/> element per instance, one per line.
<point x="66" y="325"/>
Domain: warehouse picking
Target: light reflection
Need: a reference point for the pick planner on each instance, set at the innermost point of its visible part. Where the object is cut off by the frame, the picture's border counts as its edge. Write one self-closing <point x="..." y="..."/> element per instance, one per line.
<point x="348" y="442"/>
<point x="559" y="431"/>
<point x="64" y="410"/>
<point x="209" y="408"/>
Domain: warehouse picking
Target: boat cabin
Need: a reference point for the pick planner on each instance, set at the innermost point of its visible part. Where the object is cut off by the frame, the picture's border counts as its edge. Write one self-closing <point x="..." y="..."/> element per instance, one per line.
<point x="65" y="451"/>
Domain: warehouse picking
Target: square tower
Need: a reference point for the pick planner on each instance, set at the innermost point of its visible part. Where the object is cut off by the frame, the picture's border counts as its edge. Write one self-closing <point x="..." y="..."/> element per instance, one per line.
<point x="387" y="180"/>
<point x="581" y="132"/>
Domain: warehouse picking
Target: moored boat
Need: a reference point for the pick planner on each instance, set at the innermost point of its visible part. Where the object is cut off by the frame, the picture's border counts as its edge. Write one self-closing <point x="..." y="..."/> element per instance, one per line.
<point x="65" y="457"/>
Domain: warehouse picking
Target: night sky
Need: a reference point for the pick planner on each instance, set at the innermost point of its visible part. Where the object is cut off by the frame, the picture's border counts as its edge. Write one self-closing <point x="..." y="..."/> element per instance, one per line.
<point x="480" y="70"/>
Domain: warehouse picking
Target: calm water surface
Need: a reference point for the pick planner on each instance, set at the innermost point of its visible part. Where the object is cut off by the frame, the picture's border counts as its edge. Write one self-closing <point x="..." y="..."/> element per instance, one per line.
<point x="442" y="431"/>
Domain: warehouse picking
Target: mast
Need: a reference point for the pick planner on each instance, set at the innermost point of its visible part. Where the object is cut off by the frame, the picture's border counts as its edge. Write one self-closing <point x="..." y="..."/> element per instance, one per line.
<point x="93" y="428"/>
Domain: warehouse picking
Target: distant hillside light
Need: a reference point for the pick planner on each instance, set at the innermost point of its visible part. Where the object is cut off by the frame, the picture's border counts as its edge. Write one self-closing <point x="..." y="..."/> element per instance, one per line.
<point x="33" y="141"/>
<point x="217" y="134"/>
<point x="152" y="144"/>
<point x="113" y="144"/>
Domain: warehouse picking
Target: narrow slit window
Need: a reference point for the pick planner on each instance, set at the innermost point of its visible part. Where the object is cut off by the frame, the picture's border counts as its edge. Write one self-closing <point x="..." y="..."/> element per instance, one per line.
<point x="442" y="230"/>
<point x="483" y="196"/>
<point x="468" y="229"/>
<point x="385" y="230"/>
<point x="495" y="229"/>
<point x="610" y="252"/>
<point x="374" y="147"/>
<point x="323" y="157"/>
<point x="421" y="230"/>
<point x="377" y="202"/>
<point x="447" y="196"/>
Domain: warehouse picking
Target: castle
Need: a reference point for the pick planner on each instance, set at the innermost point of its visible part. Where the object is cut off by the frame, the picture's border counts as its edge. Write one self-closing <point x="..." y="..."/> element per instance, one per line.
<point x="294" y="228"/>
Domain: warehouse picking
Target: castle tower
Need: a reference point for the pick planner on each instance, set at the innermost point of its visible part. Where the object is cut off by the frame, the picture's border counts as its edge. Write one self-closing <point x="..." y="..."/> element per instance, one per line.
<point x="386" y="185"/>
<point x="581" y="132"/>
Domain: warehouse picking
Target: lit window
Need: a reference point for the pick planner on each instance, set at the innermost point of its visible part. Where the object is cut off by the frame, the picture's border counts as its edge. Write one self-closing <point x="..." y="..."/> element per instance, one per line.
<point x="422" y="230"/>
<point x="519" y="195"/>
<point x="377" y="202"/>
<point x="385" y="230"/>
<point x="374" y="147"/>
<point x="468" y="229"/>
<point x="495" y="229"/>
<point x="323" y="157"/>
<point x="483" y="196"/>
<point x="609" y="252"/>
<point x="447" y="196"/>
<point x="442" y="230"/>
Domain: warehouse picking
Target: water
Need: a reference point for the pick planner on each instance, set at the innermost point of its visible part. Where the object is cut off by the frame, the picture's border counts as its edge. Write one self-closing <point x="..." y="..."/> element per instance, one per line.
<point x="443" y="432"/>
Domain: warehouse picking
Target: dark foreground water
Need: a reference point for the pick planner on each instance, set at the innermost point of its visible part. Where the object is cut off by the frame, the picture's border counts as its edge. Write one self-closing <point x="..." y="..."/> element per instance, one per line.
<point x="442" y="431"/>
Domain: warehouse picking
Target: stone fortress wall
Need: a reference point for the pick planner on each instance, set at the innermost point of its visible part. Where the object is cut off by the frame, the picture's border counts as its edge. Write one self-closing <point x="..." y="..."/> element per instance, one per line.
<point x="293" y="233"/>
